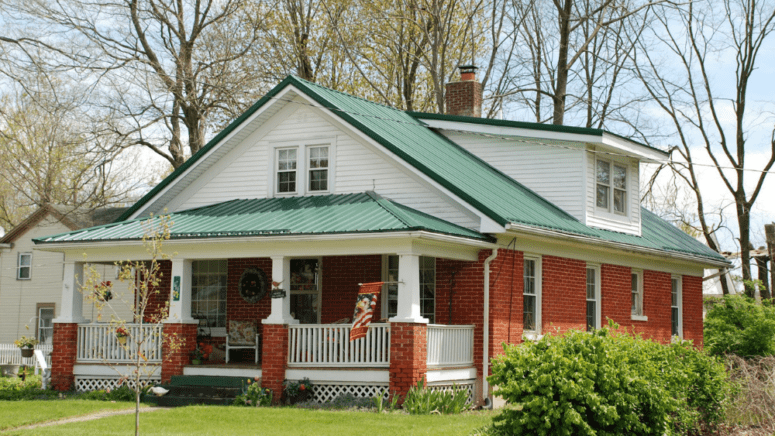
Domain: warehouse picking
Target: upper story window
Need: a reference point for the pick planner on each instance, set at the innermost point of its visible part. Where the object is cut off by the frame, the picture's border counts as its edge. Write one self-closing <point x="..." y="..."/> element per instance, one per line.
<point x="24" y="266"/>
<point x="611" y="187"/>
<point x="302" y="169"/>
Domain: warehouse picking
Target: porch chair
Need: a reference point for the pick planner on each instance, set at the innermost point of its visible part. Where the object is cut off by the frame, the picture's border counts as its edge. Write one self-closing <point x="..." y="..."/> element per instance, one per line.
<point x="242" y="334"/>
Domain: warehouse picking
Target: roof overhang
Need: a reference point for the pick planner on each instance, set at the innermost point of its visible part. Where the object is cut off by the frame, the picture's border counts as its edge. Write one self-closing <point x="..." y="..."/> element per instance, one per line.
<point x="585" y="241"/>
<point x="609" y="140"/>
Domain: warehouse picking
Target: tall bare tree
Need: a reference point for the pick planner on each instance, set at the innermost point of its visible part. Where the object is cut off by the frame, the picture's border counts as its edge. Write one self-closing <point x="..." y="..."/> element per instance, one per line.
<point x="708" y="115"/>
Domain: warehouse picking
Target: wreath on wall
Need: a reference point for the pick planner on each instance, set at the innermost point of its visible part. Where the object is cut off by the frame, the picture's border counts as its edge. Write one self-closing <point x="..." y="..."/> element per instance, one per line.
<point x="253" y="285"/>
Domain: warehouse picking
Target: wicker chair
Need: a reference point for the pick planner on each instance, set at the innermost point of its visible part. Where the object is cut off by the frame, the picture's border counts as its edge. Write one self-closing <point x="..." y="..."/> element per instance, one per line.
<point x="242" y="334"/>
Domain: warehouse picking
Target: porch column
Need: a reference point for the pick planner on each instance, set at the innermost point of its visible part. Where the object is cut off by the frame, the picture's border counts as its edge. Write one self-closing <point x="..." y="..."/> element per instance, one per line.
<point x="408" y="310"/>
<point x="66" y="328"/>
<point x="274" y="343"/>
<point x="179" y="328"/>
<point x="180" y="292"/>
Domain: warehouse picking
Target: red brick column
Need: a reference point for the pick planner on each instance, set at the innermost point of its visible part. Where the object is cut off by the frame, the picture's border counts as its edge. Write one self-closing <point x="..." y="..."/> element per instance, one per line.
<point x="274" y="358"/>
<point x="63" y="356"/>
<point x="184" y="336"/>
<point x="408" y="356"/>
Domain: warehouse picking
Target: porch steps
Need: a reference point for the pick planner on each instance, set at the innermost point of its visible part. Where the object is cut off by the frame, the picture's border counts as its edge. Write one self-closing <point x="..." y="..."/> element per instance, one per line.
<point x="185" y="390"/>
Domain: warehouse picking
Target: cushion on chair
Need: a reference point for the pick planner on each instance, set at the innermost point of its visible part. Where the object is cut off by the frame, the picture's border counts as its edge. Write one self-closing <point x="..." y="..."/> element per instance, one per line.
<point x="242" y="333"/>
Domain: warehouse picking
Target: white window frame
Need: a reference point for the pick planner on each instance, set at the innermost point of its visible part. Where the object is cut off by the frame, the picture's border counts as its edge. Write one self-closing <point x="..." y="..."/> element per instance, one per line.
<point x="677" y="279"/>
<point x="41" y="307"/>
<point x="214" y="331"/>
<point x="309" y="169"/>
<point x="611" y="189"/>
<point x="19" y="266"/>
<point x="303" y="169"/>
<point x="639" y="288"/>
<point x="276" y="178"/>
<point x="537" y="333"/>
<point x="597" y="300"/>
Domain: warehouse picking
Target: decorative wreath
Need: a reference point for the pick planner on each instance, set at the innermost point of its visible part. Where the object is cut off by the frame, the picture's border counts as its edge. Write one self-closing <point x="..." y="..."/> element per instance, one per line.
<point x="253" y="285"/>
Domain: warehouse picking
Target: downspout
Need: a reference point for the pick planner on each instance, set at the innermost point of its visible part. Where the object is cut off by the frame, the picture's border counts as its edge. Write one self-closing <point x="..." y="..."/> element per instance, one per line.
<point x="486" y="339"/>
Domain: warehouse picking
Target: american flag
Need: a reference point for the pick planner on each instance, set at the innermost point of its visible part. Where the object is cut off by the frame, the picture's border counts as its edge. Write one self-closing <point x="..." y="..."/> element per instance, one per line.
<point x="364" y="309"/>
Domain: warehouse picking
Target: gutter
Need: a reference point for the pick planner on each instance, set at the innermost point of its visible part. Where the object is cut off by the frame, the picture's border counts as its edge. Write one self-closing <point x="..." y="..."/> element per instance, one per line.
<point x="618" y="245"/>
<point x="486" y="338"/>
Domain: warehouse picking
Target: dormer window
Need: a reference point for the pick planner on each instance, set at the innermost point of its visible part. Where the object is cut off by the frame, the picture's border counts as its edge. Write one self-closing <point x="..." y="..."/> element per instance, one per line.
<point x="611" y="187"/>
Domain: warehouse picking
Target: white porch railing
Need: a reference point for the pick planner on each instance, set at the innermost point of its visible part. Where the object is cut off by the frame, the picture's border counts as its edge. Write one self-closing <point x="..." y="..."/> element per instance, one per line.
<point x="97" y="343"/>
<point x="329" y="345"/>
<point x="10" y="354"/>
<point x="450" y="345"/>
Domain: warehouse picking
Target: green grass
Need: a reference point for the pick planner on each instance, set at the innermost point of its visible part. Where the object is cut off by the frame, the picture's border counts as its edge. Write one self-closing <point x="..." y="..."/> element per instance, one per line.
<point x="217" y="420"/>
<point x="18" y="413"/>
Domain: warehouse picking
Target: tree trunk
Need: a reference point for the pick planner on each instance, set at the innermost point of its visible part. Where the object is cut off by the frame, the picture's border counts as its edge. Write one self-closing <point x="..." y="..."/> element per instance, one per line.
<point x="769" y="230"/>
<point x="561" y="83"/>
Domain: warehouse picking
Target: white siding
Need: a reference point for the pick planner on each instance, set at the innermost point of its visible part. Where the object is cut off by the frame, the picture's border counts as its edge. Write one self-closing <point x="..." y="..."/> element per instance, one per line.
<point x="630" y="223"/>
<point x="356" y="167"/>
<point x="19" y="298"/>
<point x="554" y="172"/>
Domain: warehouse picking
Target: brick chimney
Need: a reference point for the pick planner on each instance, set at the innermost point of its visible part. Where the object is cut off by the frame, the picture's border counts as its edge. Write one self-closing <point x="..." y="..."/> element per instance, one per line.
<point x="465" y="97"/>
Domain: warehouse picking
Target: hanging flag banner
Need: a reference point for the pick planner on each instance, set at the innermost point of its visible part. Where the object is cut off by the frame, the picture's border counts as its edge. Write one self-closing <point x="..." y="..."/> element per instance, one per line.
<point x="364" y="309"/>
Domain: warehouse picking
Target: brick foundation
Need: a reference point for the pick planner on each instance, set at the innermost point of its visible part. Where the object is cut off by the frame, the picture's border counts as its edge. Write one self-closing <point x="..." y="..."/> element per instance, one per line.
<point x="175" y="361"/>
<point x="274" y="358"/>
<point x="408" y="356"/>
<point x="63" y="356"/>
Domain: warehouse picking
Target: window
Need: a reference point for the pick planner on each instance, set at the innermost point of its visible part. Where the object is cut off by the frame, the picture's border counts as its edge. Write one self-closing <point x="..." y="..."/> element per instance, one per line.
<point x="286" y="170"/>
<point x="208" y="291"/>
<point x="24" y="266"/>
<point x="675" y="308"/>
<point x="593" y="298"/>
<point x="531" y="296"/>
<point x="427" y="287"/>
<point x="611" y="187"/>
<point x="45" y="323"/>
<point x="318" y="168"/>
<point x="302" y="169"/>
<point x="637" y="296"/>
<point x="305" y="290"/>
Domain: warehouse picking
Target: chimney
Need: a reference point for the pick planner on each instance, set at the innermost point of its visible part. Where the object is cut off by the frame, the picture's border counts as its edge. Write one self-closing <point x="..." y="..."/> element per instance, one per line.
<point x="465" y="97"/>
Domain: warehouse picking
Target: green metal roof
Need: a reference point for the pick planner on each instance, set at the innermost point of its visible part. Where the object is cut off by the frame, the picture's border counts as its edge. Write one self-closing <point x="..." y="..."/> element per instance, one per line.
<point x="493" y="193"/>
<point x="349" y="213"/>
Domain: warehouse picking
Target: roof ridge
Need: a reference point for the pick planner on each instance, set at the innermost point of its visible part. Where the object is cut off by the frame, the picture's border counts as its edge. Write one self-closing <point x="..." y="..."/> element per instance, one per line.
<point x="307" y="82"/>
<point x="381" y="202"/>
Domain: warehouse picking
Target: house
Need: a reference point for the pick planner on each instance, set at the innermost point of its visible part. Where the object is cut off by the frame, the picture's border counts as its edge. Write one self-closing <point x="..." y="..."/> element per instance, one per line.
<point x="31" y="281"/>
<point x="485" y="232"/>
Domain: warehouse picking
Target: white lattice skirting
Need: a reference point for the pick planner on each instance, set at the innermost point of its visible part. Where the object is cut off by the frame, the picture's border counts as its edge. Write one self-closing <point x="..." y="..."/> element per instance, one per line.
<point x="324" y="393"/>
<point x="85" y="384"/>
<point x="467" y="385"/>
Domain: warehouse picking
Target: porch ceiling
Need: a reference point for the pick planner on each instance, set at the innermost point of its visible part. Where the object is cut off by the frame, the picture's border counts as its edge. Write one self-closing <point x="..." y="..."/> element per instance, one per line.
<point x="362" y="213"/>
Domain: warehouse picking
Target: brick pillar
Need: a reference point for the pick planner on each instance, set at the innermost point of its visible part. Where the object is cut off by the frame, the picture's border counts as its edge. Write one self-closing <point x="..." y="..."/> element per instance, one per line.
<point x="408" y="356"/>
<point x="274" y="358"/>
<point x="175" y="360"/>
<point x="63" y="356"/>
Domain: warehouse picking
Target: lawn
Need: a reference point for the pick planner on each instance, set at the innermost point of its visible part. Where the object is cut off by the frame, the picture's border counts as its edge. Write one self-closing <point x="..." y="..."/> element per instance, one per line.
<point x="219" y="420"/>
<point x="18" y="413"/>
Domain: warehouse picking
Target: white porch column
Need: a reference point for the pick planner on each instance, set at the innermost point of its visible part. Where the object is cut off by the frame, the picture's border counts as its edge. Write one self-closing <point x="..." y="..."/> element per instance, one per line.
<point x="72" y="299"/>
<point x="281" y="307"/>
<point x="180" y="293"/>
<point x="408" y="309"/>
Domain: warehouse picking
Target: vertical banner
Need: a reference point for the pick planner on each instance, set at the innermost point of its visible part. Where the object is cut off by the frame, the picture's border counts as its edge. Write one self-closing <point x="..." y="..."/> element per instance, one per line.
<point x="364" y="309"/>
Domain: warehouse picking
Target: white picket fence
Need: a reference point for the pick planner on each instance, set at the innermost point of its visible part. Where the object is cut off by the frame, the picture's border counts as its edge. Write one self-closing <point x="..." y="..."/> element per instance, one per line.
<point x="450" y="345"/>
<point x="10" y="354"/>
<point x="97" y="343"/>
<point x="329" y="345"/>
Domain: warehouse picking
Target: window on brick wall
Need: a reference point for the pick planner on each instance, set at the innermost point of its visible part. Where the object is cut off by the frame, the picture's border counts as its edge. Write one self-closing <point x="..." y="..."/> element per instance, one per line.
<point x="305" y="290"/>
<point x="208" y="291"/>
<point x="636" y="292"/>
<point x="676" y="303"/>
<point x="531" y="296"/>
<point x="427" y="287"/>
<point x="593" y="298"/>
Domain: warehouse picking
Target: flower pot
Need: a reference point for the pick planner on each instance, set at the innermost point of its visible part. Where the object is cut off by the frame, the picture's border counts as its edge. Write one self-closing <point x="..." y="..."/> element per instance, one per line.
<point x="121" y="340"/>
<point x="27" y="352"/>
<point x="196" y="362"/>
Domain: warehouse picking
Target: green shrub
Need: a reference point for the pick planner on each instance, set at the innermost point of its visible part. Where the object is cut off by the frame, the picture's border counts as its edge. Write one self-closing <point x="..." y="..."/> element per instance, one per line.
<point x="121" y="393"/>
<point x="424" y="401"/>
<point x="14" y="389"/>
<point x="738" y="325"/>
<point x="254" y="395"/>
<point x="606" y="383"/>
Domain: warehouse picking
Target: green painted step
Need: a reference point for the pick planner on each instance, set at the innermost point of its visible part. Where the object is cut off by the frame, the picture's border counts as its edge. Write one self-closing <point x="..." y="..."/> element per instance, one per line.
<point x="207" y="380"/>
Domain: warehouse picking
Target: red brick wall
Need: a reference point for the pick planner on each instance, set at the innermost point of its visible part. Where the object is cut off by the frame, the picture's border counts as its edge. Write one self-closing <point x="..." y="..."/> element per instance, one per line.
<point x="564" y="297"/>
<point x="692" y="309"/>
<point x="63" y="356"/>
<point x="179" y="341"/>
<point x="236" y="307"/>
<point x="158" y="297"/>
<point x="341" y="275"/>
<point x="274" y="358"/>
<point x="408" y="356"/>
<point x="616" y="294"/>
<point x="506" y="300"/>
<point x="657" y="288"/>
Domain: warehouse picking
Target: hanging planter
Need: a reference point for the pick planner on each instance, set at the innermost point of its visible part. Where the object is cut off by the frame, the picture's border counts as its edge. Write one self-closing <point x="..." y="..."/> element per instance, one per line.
<point x="121" y="335"/>
<point x="27" y="352"/>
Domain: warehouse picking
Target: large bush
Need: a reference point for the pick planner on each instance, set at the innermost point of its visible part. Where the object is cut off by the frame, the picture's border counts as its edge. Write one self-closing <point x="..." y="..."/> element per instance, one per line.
<point x="738" y="325"/>
<point x="606" y="383"/>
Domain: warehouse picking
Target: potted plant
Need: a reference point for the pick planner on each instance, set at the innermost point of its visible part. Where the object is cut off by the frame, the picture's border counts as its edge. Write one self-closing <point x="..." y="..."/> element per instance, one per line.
<point x="121" y="335"/>
<point x="297" y="391"/>
<point x="26" y="344"/>
<point x="202" y="352"/>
